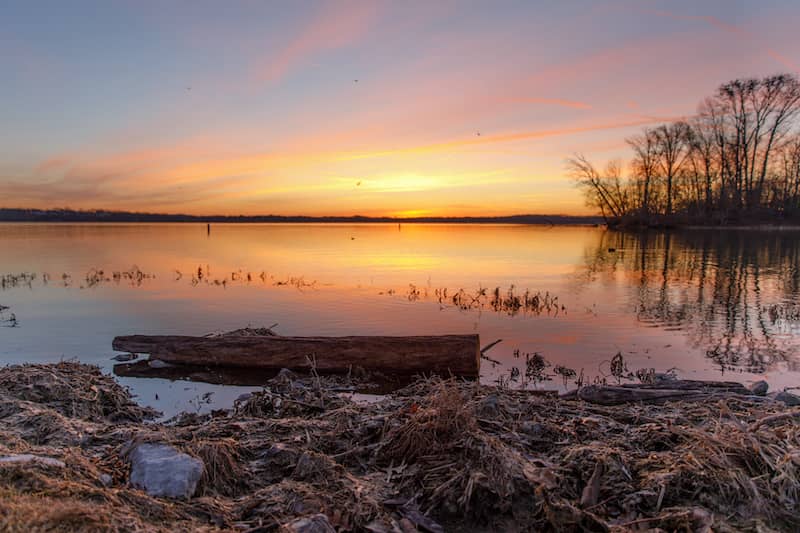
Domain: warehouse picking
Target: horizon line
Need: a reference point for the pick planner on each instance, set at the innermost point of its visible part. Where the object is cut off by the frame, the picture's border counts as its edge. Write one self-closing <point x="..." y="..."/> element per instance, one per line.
<point x="23" y="214"/>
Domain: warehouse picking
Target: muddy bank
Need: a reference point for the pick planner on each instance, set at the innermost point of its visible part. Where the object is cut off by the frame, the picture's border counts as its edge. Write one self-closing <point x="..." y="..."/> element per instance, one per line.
<point x="436" y="455"/>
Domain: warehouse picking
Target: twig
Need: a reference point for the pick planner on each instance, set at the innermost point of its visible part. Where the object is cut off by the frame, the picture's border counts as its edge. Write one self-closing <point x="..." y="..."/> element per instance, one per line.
<point x="490" y="346"/>
<point x="768" y="420"/>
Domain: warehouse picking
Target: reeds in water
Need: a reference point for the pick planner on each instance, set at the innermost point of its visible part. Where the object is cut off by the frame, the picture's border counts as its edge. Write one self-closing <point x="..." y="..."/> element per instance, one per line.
<point x="507" y="301"/>
<point x="8" y="320"/>
<point x="12" y="281"/>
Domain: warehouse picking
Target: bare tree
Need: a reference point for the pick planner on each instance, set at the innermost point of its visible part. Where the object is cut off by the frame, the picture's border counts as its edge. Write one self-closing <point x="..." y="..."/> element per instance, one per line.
<point x="779" y="104"/>
<point x="603" y="191"/>
<point x="738" y="157"/>
<point x="673" y="145"/>
<point x="645" y="163"/>
<point x="703" y="153"/>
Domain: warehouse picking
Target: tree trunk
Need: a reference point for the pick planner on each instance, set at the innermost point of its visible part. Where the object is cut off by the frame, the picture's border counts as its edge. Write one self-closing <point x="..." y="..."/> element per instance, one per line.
<point x="458" y="355"/>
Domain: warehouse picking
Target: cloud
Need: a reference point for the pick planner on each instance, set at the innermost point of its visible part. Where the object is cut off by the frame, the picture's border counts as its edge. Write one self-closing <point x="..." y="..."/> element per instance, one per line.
<point x="551" y="101"/>
<point x="508" y="137"/>
<point x="731" y="29"/>
<point x="335" y="25"/>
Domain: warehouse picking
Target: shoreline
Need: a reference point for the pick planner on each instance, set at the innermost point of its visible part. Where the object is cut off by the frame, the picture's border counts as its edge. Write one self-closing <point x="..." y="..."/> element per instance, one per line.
<point x="100" y="216"/>
<point x="437" y="455"/>
<point x="698" y="227"/>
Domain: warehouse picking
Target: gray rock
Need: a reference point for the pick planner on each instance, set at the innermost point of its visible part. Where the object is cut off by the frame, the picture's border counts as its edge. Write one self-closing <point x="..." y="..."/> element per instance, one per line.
<point x="759" y="388"/>
<point x="489" y="406"/>
<point x="663" y="378"/>
<point x="285" y="373"/>
<point x="788" y="398"/>
<point x="27" y="458"/>
<point x="161" y="470"/>
<point x="532" y="429"/>
<point x="317" y="523"/>
<point x="244" y="397"/>
<point x="106" y="480"/>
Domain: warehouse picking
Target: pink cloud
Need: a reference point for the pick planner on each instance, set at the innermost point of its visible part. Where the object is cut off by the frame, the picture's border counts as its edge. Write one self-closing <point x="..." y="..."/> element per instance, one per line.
<point x="733" y="30"/>
<point x="574" y="104"/>
<point x="335" y="25"/>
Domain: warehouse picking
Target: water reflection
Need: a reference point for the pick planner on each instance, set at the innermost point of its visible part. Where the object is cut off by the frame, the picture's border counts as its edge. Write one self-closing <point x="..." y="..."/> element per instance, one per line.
<point x="733" y="293"/>
<point x="662" y="300"/>
<point x="510" y="301"/>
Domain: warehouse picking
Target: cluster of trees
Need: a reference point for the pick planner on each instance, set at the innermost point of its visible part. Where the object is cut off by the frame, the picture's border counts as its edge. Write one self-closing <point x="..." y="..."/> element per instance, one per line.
<point x="736" y="160"/>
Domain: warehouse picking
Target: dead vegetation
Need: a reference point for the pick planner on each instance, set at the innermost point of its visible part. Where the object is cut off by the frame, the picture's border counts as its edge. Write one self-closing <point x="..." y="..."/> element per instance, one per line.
<point x="509" y="302"/>
<point x="7" y="318"/>
<point x="436" y="455"/>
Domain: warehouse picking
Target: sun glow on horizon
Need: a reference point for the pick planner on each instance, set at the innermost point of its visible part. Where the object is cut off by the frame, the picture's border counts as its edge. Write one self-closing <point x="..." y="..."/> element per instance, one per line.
<point x="342" y="108"/>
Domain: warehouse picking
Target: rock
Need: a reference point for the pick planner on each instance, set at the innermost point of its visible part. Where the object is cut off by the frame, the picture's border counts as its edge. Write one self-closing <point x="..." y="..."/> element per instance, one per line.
<point x="244" y="397"/>
<point x="663" y="378"/>
<point x="317" y="523"/>
<point x="106" y="480"/>
<point x="407" y="526"/>
<point x="759" y="388"/>
<point x="285" y="373"/>
<point x="161" y="470"/>
<point x="489" y="407"/>
<point x="124" y="357"/>
<point x="533" y="429"/>
<point x="26" y="458"/>
<point x="788" y="398"/>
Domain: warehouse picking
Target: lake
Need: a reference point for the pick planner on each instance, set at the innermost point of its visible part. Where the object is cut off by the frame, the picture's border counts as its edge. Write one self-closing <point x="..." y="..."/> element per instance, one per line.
<point x="708" y="304"/>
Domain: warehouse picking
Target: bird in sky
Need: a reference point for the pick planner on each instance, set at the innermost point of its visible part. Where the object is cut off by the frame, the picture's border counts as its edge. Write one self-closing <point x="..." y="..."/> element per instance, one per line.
<point x="358" y="184"/>
<point x="478" y="133"/>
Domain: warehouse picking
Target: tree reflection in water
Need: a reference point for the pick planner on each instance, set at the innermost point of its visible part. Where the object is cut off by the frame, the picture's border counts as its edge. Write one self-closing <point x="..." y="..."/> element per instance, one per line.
<point x="733" y="293"/>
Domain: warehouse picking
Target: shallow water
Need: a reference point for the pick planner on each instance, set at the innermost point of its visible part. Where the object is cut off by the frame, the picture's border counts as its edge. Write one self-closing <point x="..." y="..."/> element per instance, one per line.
<point x="711" y="304"/>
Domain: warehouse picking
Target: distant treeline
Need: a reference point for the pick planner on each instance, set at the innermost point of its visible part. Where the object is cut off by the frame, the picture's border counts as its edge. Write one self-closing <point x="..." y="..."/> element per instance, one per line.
<point x="737" y="161"/>
<point x="70" y="215"/>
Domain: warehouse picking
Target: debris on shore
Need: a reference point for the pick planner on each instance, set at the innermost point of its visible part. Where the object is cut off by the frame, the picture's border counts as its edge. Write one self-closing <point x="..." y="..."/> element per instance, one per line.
<point x="437" y="455"/>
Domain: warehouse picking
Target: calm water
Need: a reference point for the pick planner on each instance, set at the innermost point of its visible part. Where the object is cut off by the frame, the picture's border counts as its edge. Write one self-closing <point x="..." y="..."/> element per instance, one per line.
<point x="710" y="304"/>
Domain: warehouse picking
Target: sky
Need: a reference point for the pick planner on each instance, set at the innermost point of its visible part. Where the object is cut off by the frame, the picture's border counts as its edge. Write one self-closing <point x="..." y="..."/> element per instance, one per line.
<point x="418" y="108"/>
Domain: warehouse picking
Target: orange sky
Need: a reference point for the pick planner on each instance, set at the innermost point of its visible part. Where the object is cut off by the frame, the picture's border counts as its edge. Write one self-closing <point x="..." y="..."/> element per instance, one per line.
<point x="458" y="108"/>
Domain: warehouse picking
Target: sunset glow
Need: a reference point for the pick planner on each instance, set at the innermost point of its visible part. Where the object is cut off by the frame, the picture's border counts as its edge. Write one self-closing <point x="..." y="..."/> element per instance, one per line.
<point x="344" y="108"/>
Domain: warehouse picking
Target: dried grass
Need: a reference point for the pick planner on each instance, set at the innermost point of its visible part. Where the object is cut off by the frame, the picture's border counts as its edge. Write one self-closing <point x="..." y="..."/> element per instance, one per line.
<point x="73" y="390"/>
<point x="469" y="456"/>
<point x="223" y="473"/>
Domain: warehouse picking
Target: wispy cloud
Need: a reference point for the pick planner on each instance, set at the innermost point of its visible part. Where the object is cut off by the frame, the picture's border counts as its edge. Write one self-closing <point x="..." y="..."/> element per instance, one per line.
<point x="186" y="174"/>
<point x="574" y="104"/>
<point x="479" y="140"/>
<point x="737" y="31"/>
<point x="335" y="25"/>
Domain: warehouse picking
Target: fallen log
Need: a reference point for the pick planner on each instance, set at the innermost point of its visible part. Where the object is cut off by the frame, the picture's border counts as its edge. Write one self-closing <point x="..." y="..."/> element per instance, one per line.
<point x="605" y="395"/>
<point x="458" y="355"/>
<point x="692" y="384"/>
<point x="617" y="395"/>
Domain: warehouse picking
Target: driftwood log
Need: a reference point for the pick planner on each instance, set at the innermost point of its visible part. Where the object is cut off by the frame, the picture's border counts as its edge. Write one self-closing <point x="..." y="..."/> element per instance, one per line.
<point x="458" y="355"/>
<point x="692" y="384"/>
<point x="666" y="391"/>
